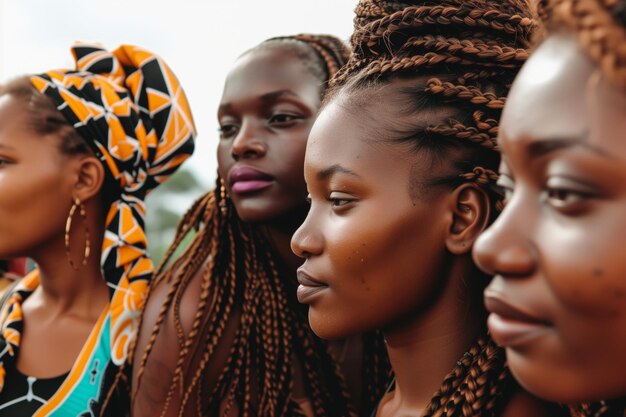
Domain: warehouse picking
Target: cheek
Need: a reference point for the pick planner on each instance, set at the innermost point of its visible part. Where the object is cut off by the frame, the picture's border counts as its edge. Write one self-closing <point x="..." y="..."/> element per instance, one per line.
<point x="290" y="157"/>
<point x="585" y="264"/>
<point x="224" y="158"/>
<point x="34" y="205"/>
<point x="385" y="269"/>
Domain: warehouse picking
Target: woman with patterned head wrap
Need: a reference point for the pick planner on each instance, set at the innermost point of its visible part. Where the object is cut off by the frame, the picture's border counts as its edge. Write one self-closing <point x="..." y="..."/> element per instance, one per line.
<point x="557" y="250"/>
<point x="400" y="171"/>
<point x="223" y="333"/>
<point x="79" y="151"/>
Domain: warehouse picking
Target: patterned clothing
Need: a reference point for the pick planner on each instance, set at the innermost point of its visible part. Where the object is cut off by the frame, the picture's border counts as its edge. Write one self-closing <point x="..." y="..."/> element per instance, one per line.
<point x="130" y="108"/>
<point x="25" y="394"/>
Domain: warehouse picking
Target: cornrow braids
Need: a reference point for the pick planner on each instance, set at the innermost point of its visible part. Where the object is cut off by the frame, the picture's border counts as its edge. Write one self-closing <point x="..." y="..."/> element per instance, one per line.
<point x="239" y="276"/>
<point x="601" y="29"/>
<point x="370" y="10"/>
<point x="471" y="51"/>
<point x="480" y="384"/>
<point x="324" y="54"/>
<point x="463" y="56"/>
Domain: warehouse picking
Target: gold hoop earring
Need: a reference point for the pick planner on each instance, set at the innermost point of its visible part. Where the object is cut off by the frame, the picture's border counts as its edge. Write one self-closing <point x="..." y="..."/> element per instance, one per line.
<point x="223" y="198"/>
<point x="78" y="205"/>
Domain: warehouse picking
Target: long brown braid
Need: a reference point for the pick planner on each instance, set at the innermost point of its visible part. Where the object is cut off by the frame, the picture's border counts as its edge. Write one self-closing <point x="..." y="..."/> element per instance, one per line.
<point x="240" y="275"/>
<point x="469" y="52"/>
<point x="601" y="29"/>
<point x="600" y="26"/>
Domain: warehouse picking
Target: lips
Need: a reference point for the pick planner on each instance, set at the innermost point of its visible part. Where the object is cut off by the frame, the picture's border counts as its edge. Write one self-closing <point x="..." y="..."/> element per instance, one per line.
<point x="244" y="180"/>
<point x="510" y="326"/>
<point x="309" y="287"/>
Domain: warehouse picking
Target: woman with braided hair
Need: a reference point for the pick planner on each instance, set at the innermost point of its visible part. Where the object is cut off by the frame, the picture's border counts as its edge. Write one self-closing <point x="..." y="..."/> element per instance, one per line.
<point x="400" y="172"/>
<point x="223" y="333"/>
<point x="557" y="298"/>
<point x="79" y="151"/>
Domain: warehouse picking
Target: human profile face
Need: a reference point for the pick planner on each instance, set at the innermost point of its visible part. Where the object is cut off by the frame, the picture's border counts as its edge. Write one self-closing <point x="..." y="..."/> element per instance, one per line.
<point x="558" y="298"/>
<point x="36" y="183"/>
<point x="373" y="249"/>
<point x="269" y="103"/>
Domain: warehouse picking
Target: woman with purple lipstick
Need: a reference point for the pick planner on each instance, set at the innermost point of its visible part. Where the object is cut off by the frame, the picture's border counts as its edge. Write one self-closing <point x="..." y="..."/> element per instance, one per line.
<point x="223" y="333"/>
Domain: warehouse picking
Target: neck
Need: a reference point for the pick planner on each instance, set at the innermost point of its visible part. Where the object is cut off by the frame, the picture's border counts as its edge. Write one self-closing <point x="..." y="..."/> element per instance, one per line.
<point x="424" y="348"/>
<point x="62" y="286"/>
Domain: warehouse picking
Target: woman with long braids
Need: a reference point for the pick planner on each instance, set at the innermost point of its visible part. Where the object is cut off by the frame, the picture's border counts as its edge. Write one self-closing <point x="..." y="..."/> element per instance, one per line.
<point x="79" y="151"/>
<point x="400" y="171"/>
<point x="557" y="251"/>
<point x="223" y="333"/>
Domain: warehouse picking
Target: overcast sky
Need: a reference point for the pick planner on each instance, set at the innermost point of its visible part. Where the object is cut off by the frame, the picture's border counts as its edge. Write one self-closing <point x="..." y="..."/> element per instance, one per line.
<point x="199" y="39"/>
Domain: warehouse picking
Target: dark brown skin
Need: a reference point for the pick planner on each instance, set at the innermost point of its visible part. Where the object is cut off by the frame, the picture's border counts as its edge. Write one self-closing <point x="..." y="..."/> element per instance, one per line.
<point x="392" y="253"/>
<point x="268" y="106"/>
<point x="557" y="249"/>
<point x="38" y="184"/>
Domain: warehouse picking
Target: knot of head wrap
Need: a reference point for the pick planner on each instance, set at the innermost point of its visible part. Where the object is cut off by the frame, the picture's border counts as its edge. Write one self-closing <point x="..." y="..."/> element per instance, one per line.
<point x="131" y="110"/>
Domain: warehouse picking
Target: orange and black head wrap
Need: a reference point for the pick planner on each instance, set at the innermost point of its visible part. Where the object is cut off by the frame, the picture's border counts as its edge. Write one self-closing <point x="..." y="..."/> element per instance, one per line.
<point x="130" y="109"/>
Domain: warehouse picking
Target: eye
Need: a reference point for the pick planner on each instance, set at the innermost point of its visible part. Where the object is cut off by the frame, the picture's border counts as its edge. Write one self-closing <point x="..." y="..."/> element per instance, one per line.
<point x="507" y="185"/>
<point x="283" y="119"/>
<point x="227" y="130"/>
<point x="340" y="199"/>
<point x="568" y="195"/>
<point x="561" y="197"/>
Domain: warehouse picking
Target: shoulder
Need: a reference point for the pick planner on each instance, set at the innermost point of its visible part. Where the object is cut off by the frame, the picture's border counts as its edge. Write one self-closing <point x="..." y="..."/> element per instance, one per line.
<point x="154" y="312"/>
<point x="154" y="373"/>
<point x="523" y="404"/>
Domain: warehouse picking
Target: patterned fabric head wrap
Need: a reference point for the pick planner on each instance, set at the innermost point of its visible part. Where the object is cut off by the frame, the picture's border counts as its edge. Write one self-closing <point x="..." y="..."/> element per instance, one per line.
<point x="131" y="110"/>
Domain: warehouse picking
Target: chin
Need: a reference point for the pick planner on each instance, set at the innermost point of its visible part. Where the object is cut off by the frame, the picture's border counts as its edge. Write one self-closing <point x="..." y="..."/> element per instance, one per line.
<point x="329" y="328"/>
<point x="559" y="384"/>
<point x="255" y="215"/>
<point x="258" y="210"/>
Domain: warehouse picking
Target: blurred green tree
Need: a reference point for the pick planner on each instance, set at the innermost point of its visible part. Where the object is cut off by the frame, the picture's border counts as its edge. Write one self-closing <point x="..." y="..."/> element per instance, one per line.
<point x="165" y="207"/>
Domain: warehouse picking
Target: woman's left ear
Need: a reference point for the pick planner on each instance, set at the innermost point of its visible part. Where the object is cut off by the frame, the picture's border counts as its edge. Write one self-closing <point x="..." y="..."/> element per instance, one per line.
<point x="471" y="211"/>
<point x="90" y="178"/>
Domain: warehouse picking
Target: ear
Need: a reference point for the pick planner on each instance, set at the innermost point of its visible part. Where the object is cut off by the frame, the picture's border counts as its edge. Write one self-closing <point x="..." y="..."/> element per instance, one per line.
<point x="471" y="211"/>
<point x="90" y="177"/>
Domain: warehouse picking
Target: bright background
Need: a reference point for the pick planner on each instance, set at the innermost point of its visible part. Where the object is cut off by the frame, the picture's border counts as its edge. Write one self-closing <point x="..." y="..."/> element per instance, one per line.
<point x="200" y="40"/>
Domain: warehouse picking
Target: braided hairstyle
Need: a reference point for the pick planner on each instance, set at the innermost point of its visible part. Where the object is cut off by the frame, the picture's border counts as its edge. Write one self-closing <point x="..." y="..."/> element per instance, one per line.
<point x="241" y="274"/>
<point x="601" y="29"/>
<point x="600" y="26"/>
<point x="462" y="55"/>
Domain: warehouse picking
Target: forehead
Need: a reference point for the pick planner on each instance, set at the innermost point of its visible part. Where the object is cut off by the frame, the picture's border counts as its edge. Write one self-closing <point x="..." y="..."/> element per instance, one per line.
<point x="268" y="69"/>
<point x="18" y="134"/>
<point x="561" y="94"/>
<point x="12" y="113"/>
<point x="352" y="139"/>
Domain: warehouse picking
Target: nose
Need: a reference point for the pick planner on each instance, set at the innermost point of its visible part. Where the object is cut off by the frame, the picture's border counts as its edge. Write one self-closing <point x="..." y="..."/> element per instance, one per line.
<point x="248" y="143"/>
<point x="505" y="249"/>
<point x="307" y="241"/>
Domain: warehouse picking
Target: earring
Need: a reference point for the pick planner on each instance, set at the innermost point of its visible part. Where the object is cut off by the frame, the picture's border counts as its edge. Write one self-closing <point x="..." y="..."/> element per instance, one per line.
<point x="78" y="205"/>
<point x="223" y="198"/>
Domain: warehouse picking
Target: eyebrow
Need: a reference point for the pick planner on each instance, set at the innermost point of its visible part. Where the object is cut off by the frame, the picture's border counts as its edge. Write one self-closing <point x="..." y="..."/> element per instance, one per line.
<point x="267" y="97"/>
<point x="275" y="95"/>
<point x="6" y="147"/>
<point x="546" y="146"/>
<point x="334" y="169"/>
